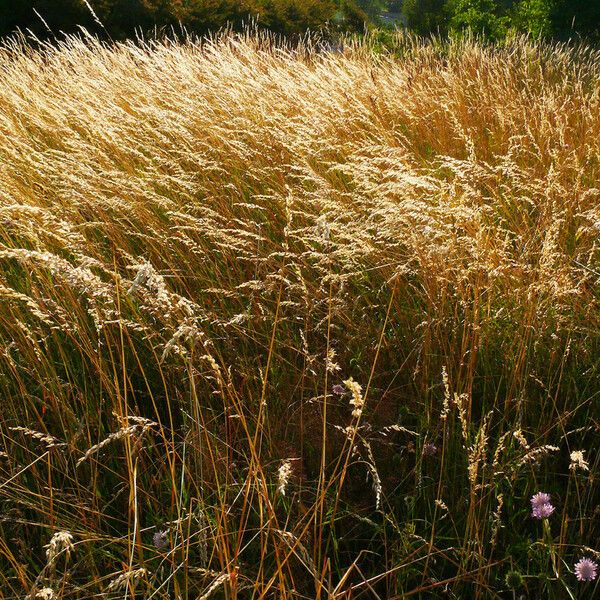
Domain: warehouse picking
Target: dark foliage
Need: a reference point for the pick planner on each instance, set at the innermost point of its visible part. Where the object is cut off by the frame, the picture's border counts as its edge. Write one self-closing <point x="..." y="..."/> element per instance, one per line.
<point x="426" y="16"/>
<point x="122" y="18"/>
<point x="581" y="16"/>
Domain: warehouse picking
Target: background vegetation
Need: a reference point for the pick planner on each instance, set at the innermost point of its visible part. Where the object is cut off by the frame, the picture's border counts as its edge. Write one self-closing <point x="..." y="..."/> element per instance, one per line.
<point x="496" y="18"/>
<point x="298" y="322"/>
<point x="493" y="18"/>
<point x="122" y="18"/>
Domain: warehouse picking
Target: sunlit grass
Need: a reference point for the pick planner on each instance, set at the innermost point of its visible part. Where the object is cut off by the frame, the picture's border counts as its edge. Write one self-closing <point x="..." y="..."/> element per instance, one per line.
<point x="284" y="322"/>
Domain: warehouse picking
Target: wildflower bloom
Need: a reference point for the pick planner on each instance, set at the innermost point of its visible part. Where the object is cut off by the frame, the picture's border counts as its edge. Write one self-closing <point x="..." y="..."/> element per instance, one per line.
<point x="586" y="570"/>
<point x="338" y="389"/>
<point x="540" y="499"/>
<point x="541" y="506"/>
<point x="543" y="511"/>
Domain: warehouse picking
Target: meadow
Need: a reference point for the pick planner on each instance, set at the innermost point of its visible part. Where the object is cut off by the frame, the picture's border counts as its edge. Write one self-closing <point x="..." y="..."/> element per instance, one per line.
<point x="299" y="321"/>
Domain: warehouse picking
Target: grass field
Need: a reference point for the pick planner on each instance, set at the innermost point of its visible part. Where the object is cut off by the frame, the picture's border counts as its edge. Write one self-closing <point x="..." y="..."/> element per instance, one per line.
<point x="288" y="323"/>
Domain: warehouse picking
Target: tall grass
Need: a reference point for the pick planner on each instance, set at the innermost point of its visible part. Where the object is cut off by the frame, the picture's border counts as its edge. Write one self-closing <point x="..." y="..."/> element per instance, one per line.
<point x="284" y="322"/>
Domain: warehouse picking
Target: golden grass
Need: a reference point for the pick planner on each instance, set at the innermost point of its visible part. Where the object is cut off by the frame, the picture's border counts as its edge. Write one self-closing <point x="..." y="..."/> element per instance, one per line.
<point x="197" y="241"/>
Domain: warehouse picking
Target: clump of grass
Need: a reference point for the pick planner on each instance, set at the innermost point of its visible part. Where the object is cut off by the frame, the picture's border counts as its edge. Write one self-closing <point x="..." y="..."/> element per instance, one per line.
<point x="282" y="321"/>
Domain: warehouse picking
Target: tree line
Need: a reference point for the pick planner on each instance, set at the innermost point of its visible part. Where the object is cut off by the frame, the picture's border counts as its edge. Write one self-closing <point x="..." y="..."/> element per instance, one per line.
<point x="495" y="19"/>
<point x="122" y="18"/>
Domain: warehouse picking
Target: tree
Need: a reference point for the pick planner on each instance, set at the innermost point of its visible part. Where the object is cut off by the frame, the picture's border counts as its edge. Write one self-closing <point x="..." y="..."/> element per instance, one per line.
<point x="202" y="16"/>
<point x="533" y="16"/>
<point x="295" y="16"/>
<point x="372" y="8"/>
<point x="351" y="17"/>
<point x="123" y="17"/>
<point x="426" y="16"/>
<point x="482" y="17"/>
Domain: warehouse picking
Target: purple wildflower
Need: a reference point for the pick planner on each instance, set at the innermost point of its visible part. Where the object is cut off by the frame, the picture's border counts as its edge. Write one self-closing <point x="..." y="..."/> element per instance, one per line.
<point x="541" y="506"/>
<point x="540" y="499"/>
<point x="338" y="389"/>
<point x="586" y="570"/>
<point x="543" y="511"/>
